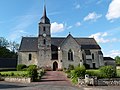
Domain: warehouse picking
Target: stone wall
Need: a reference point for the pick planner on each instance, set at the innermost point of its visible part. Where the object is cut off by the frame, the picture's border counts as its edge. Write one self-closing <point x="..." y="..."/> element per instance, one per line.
<point x="23" y="58"/>
<point x="108" y="82"/>
<point x="99" y="82"/>
<point x="70" y="44"/>
<point x="20" y="80"/>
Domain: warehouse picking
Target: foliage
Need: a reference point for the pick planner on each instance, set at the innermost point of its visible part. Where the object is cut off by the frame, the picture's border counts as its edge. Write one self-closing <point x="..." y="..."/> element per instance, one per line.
<point x="71" y="67"/>
<point x="6" y="53"/>
<point x="80" y="71"/>
<point x="108" y="71"/>
<point x="93" y="73"/>
<point x="87" y="66"/>
<point x="33" y="72"/>
<point x="118" y="73"/>
<point x="3" y="42"/>
<point x="32" y="66"/>
<point x="21" y="67"/>
<point x="15" y="74"/>
<point x="40" y="73"/>
<point x="117" y="58"/>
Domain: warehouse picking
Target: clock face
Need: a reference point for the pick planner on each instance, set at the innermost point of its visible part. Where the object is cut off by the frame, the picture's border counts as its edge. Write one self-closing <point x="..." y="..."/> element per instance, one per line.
<point x="44" y="35"/>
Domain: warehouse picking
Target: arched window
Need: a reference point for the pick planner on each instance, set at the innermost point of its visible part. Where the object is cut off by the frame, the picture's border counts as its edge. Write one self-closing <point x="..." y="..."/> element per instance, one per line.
<point x="44" y="41"/>
<point x="93" y="56"/>
<point x="70" y="55"/>
<point x="44" y="29"/>
<point x="30" y="57"/>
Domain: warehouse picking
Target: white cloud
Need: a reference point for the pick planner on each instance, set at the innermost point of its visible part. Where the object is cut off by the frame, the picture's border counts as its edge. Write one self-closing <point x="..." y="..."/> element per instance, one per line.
<point x="113" y="53"/>
<point x="77" y="6"/>
<point x="104" y="37"/>
<point x="113" y="10"/>
<point x="99" y="37"/>
<point x="57" y="27"/>
<point x="92" y="16"/>
<point x="78" y="24"/>
<point x="69" y="27"/>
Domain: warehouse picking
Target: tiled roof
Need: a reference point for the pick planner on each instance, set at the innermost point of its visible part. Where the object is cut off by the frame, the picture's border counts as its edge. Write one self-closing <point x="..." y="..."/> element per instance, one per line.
<point x="31" y="43"/>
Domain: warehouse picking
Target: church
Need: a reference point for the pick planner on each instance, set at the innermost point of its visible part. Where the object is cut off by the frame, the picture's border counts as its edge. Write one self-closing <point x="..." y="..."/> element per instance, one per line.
<point x="58" y="52"/>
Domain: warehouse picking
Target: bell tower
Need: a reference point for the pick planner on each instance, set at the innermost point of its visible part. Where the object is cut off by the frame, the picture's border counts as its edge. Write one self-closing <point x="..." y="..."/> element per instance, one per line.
<point x="44" y="40"/>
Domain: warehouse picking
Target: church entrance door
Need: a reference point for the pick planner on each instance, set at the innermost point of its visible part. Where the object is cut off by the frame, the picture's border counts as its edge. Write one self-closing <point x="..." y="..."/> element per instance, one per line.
<point x="55" y="66"/>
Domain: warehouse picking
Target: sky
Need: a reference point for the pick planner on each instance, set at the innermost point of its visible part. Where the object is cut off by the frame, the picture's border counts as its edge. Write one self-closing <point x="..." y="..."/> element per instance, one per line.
<point x="99" y="19"/>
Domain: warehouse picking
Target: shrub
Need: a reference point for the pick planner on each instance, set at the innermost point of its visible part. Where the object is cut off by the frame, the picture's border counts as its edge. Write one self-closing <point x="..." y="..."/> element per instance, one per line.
<point x="32" y="66"/>
<point x="108" y="71"/>
<point x="20" y="67"/>
<point x="80" y="71"/>
<point x="71" y="67"/>
<point x="33" y="72"/>
<point x="93" y="73"/>
<point x="87" y="66"/>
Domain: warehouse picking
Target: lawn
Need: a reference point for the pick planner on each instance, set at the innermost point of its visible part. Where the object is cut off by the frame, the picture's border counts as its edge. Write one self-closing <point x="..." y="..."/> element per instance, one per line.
<point x="118" y="72"/>
<point x="15" y="73"/>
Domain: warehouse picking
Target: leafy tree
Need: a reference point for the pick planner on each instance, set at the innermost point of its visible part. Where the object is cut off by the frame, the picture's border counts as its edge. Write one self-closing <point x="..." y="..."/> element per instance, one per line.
<point x="6" y="53"/>
<point x="117" y="58"/>
<point x="13" y="46"/>
<point x="4" y="42"/>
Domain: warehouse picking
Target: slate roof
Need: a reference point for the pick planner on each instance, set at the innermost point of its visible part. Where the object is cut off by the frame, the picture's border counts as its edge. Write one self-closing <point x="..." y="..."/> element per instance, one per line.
<point x="31" y="43"/>
<point x="109" y="58"/>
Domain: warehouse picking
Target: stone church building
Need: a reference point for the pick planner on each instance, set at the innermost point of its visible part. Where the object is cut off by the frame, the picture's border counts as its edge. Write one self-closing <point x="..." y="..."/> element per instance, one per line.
<point x="58" y="52"/>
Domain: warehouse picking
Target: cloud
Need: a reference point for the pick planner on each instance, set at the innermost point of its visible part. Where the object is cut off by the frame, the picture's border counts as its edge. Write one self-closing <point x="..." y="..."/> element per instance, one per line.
<point x="99" y="37"/>
<point x="57" y="27"/>
<point x="103" y="37"/>
<point x="69" y="27"/>
<point x="92" y="16"/>
<point x="77" y="6"/>
<point x="78" y="24"/>
<point x="113" y="53"/>
<point x="113" y="10"/>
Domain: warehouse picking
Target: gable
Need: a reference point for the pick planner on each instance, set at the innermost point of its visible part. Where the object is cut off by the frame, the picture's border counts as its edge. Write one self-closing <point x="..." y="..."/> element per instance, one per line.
<point x="69" y="41"/>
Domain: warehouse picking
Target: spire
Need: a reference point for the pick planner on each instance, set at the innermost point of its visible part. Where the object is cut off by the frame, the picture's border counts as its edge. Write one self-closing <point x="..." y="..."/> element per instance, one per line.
<point x="44" y="18"/>
<point x="44" y="13"/>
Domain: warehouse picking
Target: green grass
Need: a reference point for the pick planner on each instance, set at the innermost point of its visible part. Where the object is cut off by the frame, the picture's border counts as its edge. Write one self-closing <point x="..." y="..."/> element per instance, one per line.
<point x="118" y="72"/>
<point x="15" y="73"/>
<point x="93" y="72"/>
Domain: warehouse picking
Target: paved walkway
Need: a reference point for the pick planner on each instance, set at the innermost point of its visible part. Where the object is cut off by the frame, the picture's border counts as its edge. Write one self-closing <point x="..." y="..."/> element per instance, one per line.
<point x="55" y="78"/>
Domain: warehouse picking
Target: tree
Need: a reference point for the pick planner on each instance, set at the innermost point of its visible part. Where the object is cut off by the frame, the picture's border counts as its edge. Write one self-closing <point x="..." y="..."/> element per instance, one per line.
<point x="4" y="42"/>
<point x="117" y="58"/>
<point x="13" y="46"/>
<point x="6" y="53"/>
<point x="8" y="49"/>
